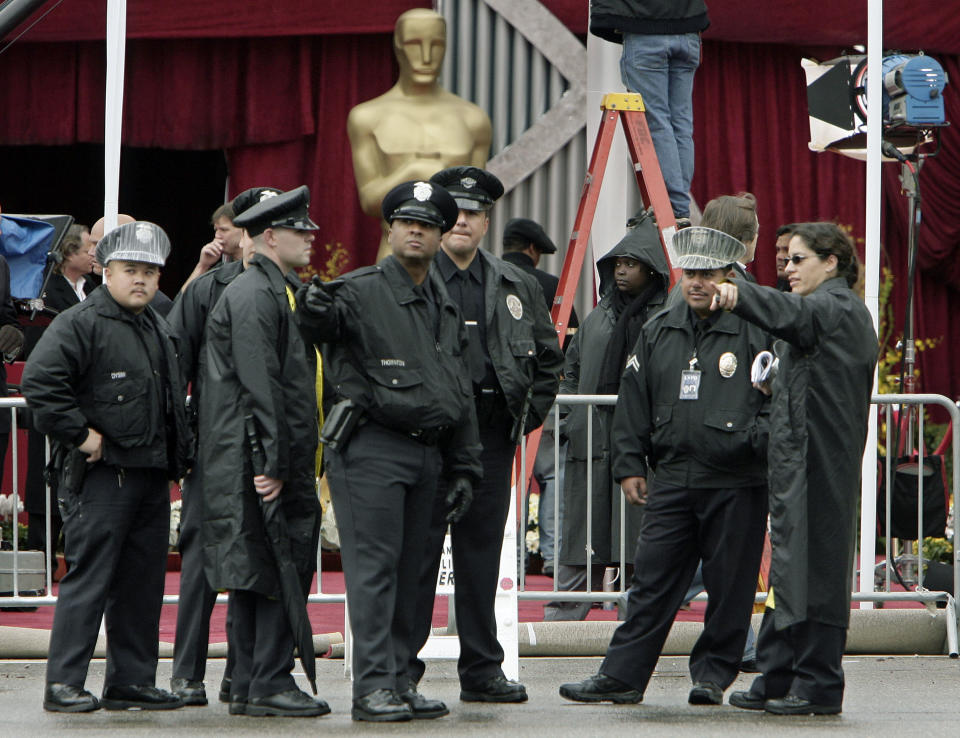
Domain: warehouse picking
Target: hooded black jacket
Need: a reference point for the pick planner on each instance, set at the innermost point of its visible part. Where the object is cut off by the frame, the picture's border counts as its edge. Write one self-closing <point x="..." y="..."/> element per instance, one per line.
<point x="581" y="375"/>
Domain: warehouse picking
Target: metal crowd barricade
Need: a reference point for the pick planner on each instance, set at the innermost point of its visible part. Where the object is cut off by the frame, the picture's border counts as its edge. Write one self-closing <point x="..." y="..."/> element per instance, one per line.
<point x="514" y="545"/>
<point x="591" y="595"/>
<point x="17" y="598"/>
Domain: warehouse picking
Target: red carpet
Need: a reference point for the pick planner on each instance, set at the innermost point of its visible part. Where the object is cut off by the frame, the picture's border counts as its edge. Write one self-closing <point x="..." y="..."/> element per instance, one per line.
<point x="328" y="618"/>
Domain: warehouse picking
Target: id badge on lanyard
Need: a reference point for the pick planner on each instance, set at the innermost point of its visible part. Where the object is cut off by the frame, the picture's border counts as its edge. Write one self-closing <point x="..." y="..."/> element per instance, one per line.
<point x="690" y="381"/>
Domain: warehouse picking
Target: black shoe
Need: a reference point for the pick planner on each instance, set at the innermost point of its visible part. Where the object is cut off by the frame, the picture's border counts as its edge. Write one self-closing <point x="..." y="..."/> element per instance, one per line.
<point x="705" y="693"/>
<point x="793" y="705"/>
<point x="381" y="706"/>
<point x="224" y="695"/>
<point x="683" y="222"/>
<point x="238" y="706"/>
<point x="59" y="697"/>
<point x="292" y="703"/>
<point x="747" y="700"/>
<point x="601" y="688"/>
<point x="143" y="697"/>
<point x="750" y="666"/>
<point x="495" y="689"/>
<point x="191" y="692"/>
<point x="423" y="708"/>
<point x="547" y="570"/>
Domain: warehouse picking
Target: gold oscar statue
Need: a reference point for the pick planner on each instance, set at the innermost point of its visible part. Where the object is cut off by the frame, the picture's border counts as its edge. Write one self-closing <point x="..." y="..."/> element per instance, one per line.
<point x="416" y="128"/>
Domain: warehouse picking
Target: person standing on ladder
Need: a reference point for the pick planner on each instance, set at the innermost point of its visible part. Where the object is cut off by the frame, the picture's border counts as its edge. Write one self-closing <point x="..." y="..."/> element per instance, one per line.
<point x="661" y="53"/>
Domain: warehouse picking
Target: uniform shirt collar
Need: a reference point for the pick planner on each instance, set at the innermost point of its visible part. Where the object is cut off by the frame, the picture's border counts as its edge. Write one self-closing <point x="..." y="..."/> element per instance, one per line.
<point x="448" y="269"/>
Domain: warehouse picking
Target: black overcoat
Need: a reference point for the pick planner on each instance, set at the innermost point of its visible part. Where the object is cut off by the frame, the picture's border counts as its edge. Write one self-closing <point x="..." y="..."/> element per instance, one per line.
<point x="255" y="361"/>
<point x="818" y="427"/>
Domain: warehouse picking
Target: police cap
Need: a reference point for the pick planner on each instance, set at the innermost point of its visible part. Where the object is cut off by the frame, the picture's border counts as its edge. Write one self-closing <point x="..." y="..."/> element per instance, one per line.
<point x="473" y="188"/>
<point x="421" y="201"/>
<point x="531" y="232"/>
<point x="138" y="241"/>
<point x="288" y="210"/>
<point x="698" y="247"/>
<point x="248" y="198"/>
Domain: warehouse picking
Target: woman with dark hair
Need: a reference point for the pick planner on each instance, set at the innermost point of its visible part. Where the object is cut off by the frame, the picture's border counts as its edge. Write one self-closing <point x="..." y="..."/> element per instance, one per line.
<point x="821" y="399"/>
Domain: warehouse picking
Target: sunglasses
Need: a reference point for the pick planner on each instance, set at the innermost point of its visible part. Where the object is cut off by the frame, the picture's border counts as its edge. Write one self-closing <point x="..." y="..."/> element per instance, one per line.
<point x="795" y="259"/>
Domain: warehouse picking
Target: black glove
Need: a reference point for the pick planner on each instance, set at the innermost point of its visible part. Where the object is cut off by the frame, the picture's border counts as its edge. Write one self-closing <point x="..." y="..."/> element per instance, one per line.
<point x="11" y="339"/>
<point x="318" y="299"/>
<point x="459" y="497"/>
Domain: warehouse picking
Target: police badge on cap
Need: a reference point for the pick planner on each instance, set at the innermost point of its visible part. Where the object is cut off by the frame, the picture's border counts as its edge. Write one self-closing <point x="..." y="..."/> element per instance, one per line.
<point x="248" y="198"/>
<point x="137" y="241"/>
<point x="473" y="188"/>
<point x="288" y="210"/>
<point x="424" y="202"/>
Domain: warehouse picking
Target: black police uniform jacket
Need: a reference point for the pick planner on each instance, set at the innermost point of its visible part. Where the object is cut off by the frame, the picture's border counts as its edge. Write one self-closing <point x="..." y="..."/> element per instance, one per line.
<point x="91" y="368"/>
<point x="523" y="347"/>
<point x="818" y="430"/>
<point x="188" y="316"/>
<point x="716" y="441"/>
<point x="255" y="361"/>
<point x="581" y="375"/>
<point x="381" y="351"/>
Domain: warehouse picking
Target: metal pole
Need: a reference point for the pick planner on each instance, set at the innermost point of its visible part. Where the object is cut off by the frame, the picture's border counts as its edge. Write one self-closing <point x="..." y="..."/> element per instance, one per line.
<point x="868" y="508"/>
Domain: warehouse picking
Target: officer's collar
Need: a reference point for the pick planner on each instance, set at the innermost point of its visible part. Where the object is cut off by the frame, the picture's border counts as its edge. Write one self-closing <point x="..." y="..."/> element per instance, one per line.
<point x="272" y="271"/>
<point x="110" y="308"/>
<point x="680" y="315"/>
<point x="226" y="272"/>
<point x="448" y="268"/>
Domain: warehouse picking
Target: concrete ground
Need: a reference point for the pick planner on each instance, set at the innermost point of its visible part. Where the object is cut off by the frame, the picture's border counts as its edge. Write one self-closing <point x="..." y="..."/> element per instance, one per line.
<point x="886" y="695"/>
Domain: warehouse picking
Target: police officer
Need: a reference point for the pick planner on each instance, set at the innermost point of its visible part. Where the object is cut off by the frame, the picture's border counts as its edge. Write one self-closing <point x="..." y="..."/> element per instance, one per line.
<point x="687" y="409"/>
<point x="103" y="382"/>
<point x="524" y="242"/>
<point x="393" y="353"/>
<point x="188" y="318"/>
<point x="514" y="364"/>
<point x="258" y="425"/>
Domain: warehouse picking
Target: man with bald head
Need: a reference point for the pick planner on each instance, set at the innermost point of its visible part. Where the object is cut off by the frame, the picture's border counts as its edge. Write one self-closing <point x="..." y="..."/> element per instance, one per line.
<point x="161" y="303"/>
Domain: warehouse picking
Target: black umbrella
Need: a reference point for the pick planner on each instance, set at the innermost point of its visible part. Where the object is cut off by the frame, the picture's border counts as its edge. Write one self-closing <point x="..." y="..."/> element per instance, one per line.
<point x="291" y="589"/>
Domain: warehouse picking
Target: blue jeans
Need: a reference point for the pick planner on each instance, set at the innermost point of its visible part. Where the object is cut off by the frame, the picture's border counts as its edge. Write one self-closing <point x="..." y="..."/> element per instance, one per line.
<point x="661" y="69"/>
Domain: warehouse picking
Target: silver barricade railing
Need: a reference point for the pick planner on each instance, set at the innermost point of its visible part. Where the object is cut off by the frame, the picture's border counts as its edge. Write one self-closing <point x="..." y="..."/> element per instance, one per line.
<point x="17" y="596"/>
<point x="590" y="595"/>
<point x="17" y="599"/>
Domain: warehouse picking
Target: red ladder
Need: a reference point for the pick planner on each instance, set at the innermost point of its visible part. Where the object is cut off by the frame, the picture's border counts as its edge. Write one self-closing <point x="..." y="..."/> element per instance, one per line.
<point x="629" y="110"/>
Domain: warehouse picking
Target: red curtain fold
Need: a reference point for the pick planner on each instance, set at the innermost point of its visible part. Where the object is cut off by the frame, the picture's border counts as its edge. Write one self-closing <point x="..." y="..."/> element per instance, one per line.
<point x="85" y="20"/>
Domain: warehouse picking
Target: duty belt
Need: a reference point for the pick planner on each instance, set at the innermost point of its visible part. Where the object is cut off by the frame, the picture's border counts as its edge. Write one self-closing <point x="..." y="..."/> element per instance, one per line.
<point x="428" y="436"/>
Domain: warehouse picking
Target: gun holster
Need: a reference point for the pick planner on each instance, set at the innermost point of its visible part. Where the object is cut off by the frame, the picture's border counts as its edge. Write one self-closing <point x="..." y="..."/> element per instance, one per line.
<point x="340" y="423"/>
<point x="65" y="473"/>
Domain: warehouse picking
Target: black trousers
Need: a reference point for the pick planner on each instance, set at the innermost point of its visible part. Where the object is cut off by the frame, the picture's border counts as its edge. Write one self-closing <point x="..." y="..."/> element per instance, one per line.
<point x="805" y="659"/>
<point x="115" y="543"/>
<point x="477" y="540"/>
<point x="383" y="487"/>
<point x="196" y="597"/>
<point x="723" y="526"/>
<point x="261" y="643"/>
